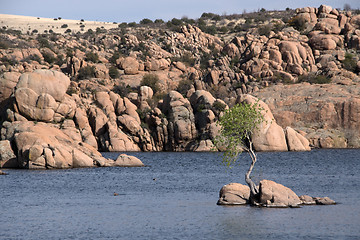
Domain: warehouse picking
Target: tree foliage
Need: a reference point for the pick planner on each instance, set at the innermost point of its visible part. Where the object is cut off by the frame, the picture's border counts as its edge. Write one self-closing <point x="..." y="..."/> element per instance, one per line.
<point x="237" y="124"/>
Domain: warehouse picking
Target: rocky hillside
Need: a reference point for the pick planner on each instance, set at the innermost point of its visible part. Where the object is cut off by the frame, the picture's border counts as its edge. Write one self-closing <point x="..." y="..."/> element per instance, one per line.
<point x="159" y="86"/>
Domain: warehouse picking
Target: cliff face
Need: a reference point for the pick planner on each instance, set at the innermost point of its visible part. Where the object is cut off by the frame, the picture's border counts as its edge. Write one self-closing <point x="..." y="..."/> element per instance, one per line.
<point x="87" y="86"/>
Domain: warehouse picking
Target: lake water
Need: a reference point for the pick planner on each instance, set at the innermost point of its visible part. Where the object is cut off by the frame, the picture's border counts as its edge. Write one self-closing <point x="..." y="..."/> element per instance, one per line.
<point x="181" y="202"/>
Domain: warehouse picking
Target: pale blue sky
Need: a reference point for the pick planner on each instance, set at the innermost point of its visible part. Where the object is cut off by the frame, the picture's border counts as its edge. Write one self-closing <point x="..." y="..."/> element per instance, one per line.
<point x="135" y="10"/>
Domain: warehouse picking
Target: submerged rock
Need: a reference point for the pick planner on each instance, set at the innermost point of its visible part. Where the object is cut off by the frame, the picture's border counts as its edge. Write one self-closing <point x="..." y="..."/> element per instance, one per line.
<point x="324" y="201"/>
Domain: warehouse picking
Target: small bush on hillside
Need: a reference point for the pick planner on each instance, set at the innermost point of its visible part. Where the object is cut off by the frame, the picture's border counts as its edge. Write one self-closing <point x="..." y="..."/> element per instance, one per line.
<point x="86" y="72"/>
<point x="92" y="57"/>
<point x="68" y="30"/>
<point x="114" y="57"/>
<point x="8" y="61"/>
<point x="314" y="79"/>
<point x="30" y="58"/>
<point x="151" y="80"/>
<point x="122" y="90"/>
<point x="146" y="21"/>
<point x="49" y="58"/>
<point x="264" y="30"/>
<point x="349" y="63"/>
<point x="218" y="106"/>
<point x="184" y="86"/>
<point x="64" y="26"/>
<point x="298" y="23"/>
<point x="114" y="72"/>
<point x="186" y="58"/>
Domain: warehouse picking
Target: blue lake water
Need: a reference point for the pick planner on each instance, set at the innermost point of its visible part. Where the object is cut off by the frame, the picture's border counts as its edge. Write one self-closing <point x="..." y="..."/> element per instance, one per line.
<point x="181" y="202"/>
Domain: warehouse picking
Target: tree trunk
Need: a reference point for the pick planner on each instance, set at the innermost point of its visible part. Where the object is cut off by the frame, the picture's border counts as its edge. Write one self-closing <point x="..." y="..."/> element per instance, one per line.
<point x="254" y="191"/>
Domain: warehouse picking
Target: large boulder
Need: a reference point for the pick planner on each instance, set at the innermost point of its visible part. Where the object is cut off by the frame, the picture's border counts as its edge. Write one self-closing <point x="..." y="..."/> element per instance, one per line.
<point x="321" y="41"/>
<point x="269" y="136"/>
<point x="41" y="96"/>
<point x="124" y="160"/>
<point x="7" y="156"/>
<point x="8" y="81"/>
<point x="295" y="141"/>
<point x="44" y="81"/>
<point x="273" y="194"/>
<point x="234" y="194"/>
<point x="129" y="64"/>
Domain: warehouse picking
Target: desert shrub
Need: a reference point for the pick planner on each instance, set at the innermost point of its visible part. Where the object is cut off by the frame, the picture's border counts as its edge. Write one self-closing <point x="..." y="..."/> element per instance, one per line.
<point x="49" y="58"/>
<point x="100" y="30"/>
<point x="68" y="30"/>
<point x="114" y="72"/>
<point x="146" y="21"/>
<point x="122" y="90"/>
<point x="223" y="29"/>
<point x="4" y="45"/>
<point x="43" y="42"/>
<point x="92" y="57"/>
<point x="210" y="29"/>
<point x="349" y="63"/>
<point x="86" y="72"/>
<point x="219" y="106"/>
<point x="159" y="21"/>
<point x="32" y="58"/>
<point x="186" y="58"/>
<point x="298" y="23"/>
<point x="59" y="60"/>
<point x="114" y="57"/>
<point x="151" y="80"/>
<point x="64" y="26"/>
<point x="314" y="79"/>
<point x="132" y="24"/>
<point x="8" y="61"/>
<point x="184" y="86"/>
<point x="264" y="30"/>
<point x="35" y="31"/>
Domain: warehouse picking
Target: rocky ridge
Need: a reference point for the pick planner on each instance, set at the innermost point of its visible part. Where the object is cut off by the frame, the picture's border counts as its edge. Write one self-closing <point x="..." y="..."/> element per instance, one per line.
<point x="153" y="89"/>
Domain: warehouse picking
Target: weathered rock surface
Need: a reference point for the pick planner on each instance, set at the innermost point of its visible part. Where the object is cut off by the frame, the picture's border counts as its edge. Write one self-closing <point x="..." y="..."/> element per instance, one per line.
<point x="181" y="126"/>
<point x="324" y="201"/>
<point x="234" y="194"/>
<point x="328" y="114"/>
<point x="7" y="156"/>
<point x="42" y="146"/>
<point x="124" y="160"/>
<point x="273" y="194"/>
<point x="295" y="141"/>
<point x="269" y="136"/>
<point x="307" y="200"/>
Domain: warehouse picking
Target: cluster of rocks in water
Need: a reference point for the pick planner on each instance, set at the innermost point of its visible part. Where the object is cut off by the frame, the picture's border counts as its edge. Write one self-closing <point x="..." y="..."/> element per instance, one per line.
<point x="54" y="117"/>
<point x="271" y="194"/>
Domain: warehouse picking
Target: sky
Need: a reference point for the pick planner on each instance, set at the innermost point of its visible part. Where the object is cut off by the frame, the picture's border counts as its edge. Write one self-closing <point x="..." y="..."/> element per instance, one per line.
<point x="135" y="10"/>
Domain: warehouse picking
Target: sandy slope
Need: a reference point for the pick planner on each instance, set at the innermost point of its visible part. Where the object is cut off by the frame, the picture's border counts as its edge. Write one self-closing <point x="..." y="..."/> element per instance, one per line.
<point x="25" y="23"/>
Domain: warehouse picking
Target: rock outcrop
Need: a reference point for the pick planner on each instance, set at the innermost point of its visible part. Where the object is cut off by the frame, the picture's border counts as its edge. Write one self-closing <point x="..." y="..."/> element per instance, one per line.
<point x="97" y="98"/>
<point x="181" y="126"/>
<point x="273" y="194"/>
<point x="7" y="156"/>
<point x="269" y="136"/>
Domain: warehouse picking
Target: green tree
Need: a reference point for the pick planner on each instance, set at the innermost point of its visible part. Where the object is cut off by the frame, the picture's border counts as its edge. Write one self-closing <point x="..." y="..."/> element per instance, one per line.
<point x="237" y="125"/>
